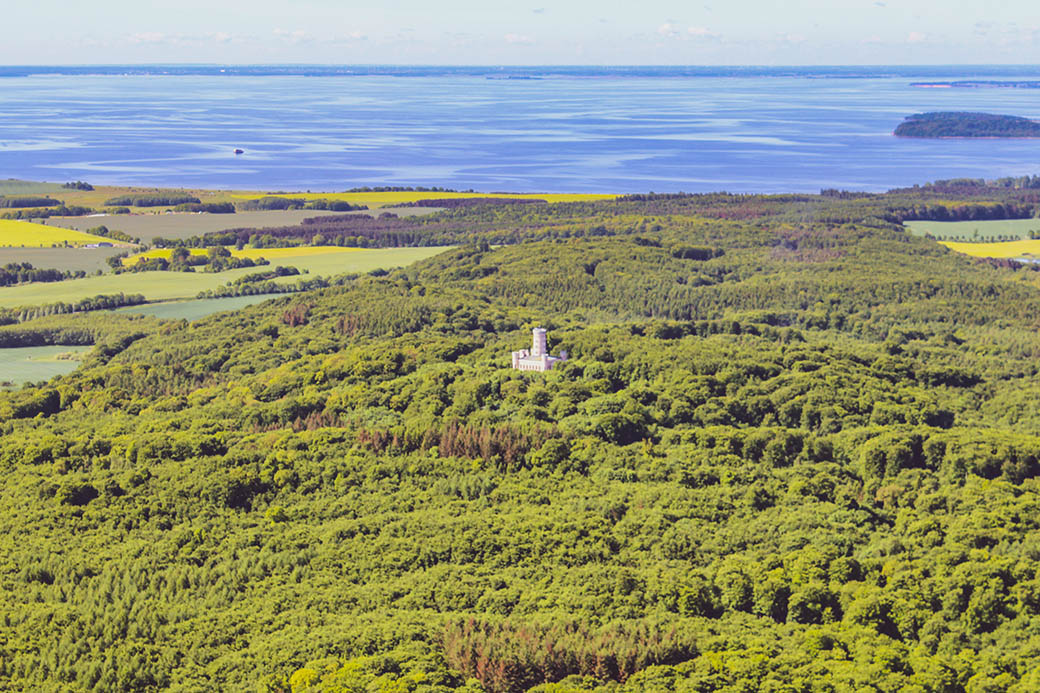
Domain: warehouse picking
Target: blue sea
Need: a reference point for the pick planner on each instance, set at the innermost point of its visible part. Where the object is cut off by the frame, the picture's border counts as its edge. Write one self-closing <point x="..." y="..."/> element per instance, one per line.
<point x="544" y="129"/>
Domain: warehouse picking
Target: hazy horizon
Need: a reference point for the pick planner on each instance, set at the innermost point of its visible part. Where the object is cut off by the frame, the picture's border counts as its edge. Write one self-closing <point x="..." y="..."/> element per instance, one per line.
<point x="408" y="32"/>
<point x="153" y="63"/>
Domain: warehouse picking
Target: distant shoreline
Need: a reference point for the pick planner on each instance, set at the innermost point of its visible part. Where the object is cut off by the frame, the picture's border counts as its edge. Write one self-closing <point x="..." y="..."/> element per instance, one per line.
<point x="978" y="84"/>
<point x="936" y="74"/>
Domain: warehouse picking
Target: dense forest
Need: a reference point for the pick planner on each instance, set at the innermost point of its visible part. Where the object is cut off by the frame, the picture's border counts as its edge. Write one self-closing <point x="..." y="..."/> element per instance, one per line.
<point x="275" y="202"/>
<point x="46" y="212"/>
<point x="18" y="272"/>
<point x="794" y="449"/>
<point x="956" y="124"/>
<point x="953" y="200"/>
<point x="156" y="199"/>
<point x="8" y="202"/>
<point x="10" y="316"/>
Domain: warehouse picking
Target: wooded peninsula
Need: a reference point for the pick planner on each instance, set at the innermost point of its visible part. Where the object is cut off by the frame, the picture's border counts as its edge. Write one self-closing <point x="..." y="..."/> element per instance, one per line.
<point x="955" y="124"/>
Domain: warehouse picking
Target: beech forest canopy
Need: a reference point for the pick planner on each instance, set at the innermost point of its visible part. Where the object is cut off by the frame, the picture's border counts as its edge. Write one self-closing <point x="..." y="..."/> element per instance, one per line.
<point x="794" y="448"/>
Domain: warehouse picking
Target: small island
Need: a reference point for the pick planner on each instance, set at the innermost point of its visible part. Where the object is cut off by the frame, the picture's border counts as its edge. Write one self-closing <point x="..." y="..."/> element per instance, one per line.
<point x="956" y="124"/>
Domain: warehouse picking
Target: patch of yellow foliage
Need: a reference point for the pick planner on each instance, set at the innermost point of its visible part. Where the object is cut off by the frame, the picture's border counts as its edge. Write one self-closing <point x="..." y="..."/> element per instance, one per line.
<point x="24" y="234"/>
<point x="1005" y="249"/>
<point x="158" y="252"/>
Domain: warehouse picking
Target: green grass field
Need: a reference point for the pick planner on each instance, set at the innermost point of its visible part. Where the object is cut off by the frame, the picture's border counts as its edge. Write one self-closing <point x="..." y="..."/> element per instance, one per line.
<point x="968" y="231"/>
<point x="32" y="364"/>
<point x="167" y="286"/>
<point x="13" y="186"/>
<point x="197" y="308"/>
<point x="23" y="234"/>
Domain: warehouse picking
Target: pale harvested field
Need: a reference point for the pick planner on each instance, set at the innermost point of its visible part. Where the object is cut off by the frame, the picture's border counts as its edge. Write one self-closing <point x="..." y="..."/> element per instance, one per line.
<point x="70" y="259"/>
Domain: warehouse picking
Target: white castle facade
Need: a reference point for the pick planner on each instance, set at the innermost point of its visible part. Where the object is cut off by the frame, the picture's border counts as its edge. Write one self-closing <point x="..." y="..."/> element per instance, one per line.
<point x="537" y="359"/>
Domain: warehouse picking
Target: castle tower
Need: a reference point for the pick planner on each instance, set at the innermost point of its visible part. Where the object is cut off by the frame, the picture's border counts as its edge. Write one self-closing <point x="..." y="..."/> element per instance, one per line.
<point x="538" y="358"/>
<point x="538" y="347"/>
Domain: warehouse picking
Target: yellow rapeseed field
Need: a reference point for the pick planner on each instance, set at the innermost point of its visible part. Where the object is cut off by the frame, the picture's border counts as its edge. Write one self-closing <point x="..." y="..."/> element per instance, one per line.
<point x="24" y="234"/>
<point x="375" y="200"/>
<point x="1005" y="249"/>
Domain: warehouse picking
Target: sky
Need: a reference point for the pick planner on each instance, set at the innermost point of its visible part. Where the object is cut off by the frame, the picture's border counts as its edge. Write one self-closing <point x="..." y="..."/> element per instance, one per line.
<point x="536" y="32"/>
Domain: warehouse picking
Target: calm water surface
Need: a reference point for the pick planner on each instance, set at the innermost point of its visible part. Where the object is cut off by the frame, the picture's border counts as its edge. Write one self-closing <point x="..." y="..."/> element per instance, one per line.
<point x="588" y="131"/>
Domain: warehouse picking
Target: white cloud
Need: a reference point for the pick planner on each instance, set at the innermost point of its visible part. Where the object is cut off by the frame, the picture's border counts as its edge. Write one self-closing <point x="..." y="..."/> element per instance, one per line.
<point x="916" y="37"/>
<point x="983" y="28"/>
<point x="672" y="30"/>
<point x="668" y="29"/>
<point x="155" y="38"/>
<point x="701" y="32"/>
<point x="349" y="37"/>
<point x="149" y="37"/>
<point x="295" y="37"/>
<point x="518" y="39"/>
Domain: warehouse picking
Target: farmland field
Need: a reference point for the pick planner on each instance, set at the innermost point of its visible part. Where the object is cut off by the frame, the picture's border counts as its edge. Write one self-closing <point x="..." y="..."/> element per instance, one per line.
<point x="1009" y="249"/>
<point x="968" y="231"/>
<point x="165" y="286"/>
<point x="12" y="186"/>
<point x="275" y="255"/>
<point x="98" y="197"/>
<point x="185" y="225"/>
<point x="375" y="200"/>
<point x="86" y="259"/>
<point x="32" y="364"/>
<point x="23" y="234"/>
<point x="197" y="308"/>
